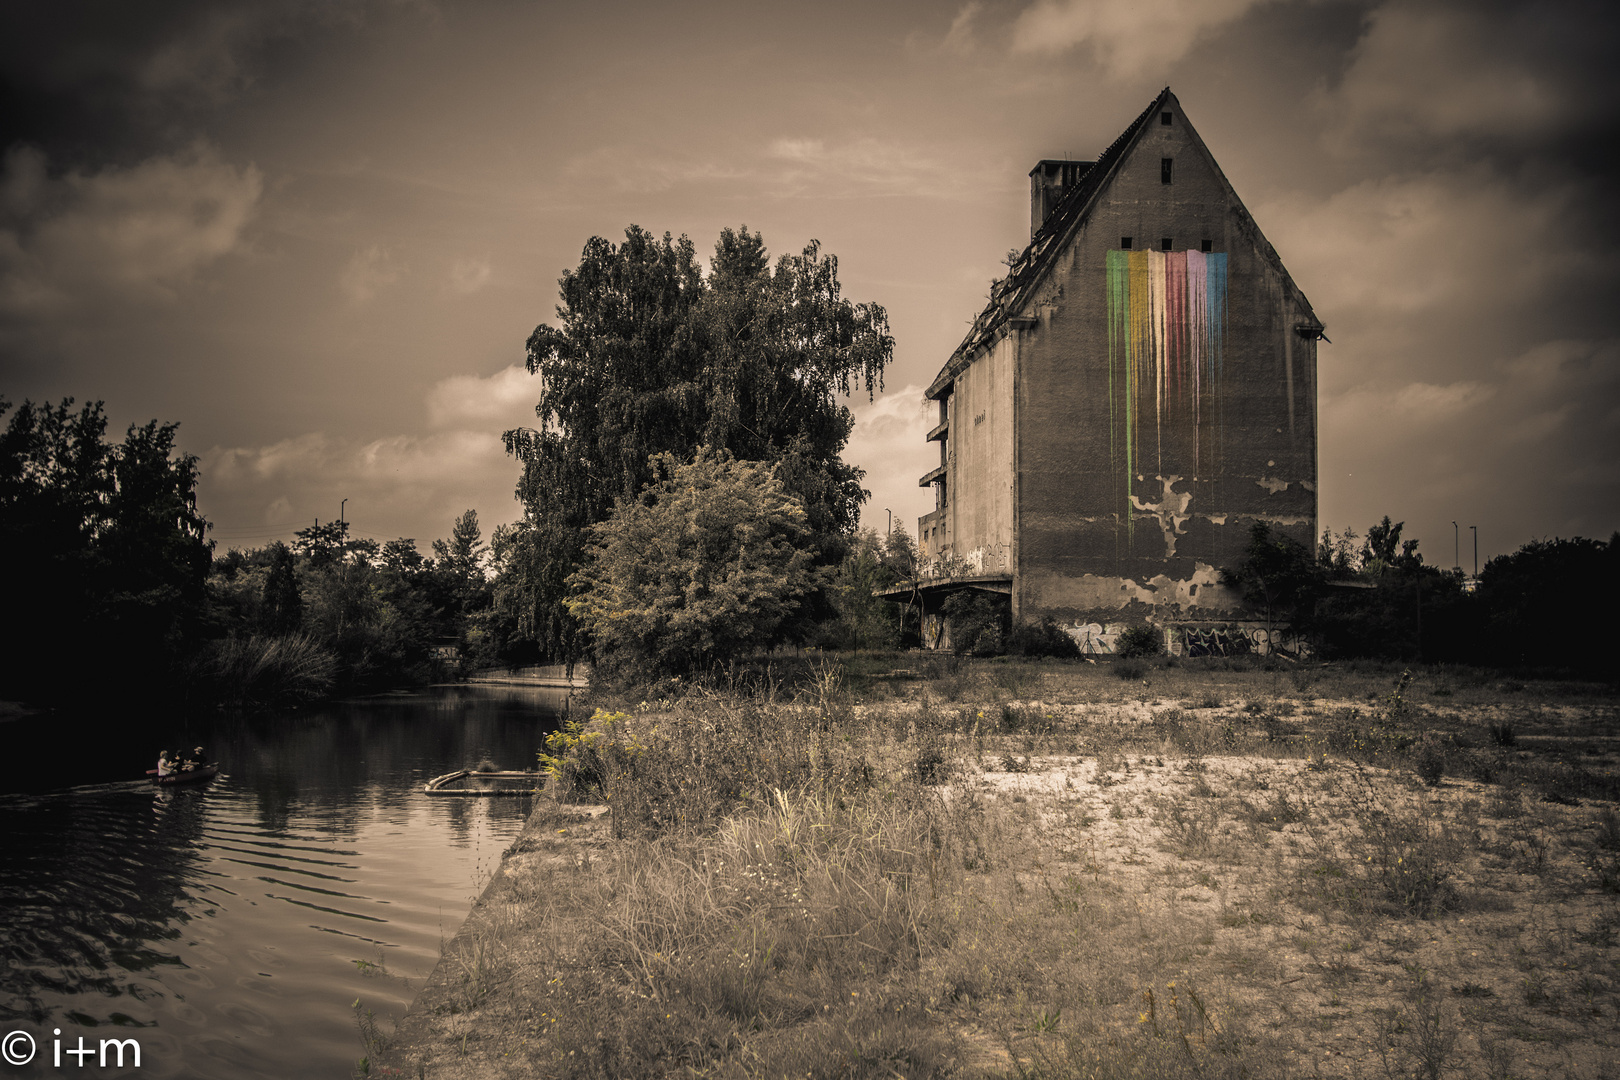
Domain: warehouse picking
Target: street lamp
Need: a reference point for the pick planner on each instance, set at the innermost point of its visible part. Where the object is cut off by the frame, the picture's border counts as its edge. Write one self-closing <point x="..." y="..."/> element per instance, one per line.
<point x="1456" y="551"/>
<point x="341" y="505"/>
<point x="1475" y="529"/>
<point x="890" y="529"/>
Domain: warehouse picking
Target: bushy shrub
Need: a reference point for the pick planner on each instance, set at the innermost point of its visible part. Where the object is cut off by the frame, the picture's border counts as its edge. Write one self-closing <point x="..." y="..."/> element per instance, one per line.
<point x="1429" y="758"/>
<point x="577" y="767"/>
<point x="1129" y="669"/>
<point x="733" y="560"/>
<point x="1144" y="640"/>
<point x="977" y="623"/>
<point x="1043" y="638"/>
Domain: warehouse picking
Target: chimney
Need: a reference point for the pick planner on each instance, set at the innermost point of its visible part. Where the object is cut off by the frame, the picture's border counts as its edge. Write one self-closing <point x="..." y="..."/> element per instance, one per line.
<point x="1049" y="181"/>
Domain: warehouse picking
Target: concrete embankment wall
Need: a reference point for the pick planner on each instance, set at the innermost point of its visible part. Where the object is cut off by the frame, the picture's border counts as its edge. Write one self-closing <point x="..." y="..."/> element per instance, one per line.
<point x="576" y="676"/>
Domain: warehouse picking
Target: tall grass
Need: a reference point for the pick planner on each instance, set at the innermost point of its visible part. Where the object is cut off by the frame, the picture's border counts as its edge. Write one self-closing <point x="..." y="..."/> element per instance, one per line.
<point x="261" y="670"/>
<point x="712" y="754"/>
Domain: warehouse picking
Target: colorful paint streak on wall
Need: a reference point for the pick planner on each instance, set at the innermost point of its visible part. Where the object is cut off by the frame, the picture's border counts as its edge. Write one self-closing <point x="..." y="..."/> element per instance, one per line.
<point x="1166" y="329"/>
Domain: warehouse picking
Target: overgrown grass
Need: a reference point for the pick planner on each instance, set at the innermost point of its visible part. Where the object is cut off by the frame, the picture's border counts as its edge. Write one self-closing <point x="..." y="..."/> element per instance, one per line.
<point x="1037" y="869"/>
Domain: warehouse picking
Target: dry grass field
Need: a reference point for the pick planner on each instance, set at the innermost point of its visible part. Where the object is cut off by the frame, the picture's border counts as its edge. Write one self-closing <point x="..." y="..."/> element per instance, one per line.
<point x="1056" y="869"/>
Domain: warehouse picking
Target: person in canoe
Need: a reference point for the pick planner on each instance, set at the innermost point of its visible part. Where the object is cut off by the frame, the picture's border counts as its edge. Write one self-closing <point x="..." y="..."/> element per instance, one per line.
<point x="195" y="760"/>
<point x="165" y="764"/>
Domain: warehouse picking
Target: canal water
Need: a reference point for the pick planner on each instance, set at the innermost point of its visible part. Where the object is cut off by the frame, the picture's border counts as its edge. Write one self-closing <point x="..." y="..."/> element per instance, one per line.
<point x="229" y="928"/>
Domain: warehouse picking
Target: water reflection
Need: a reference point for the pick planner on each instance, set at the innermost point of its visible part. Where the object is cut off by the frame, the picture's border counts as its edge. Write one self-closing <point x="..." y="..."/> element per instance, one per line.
<point x="221" y="925"/>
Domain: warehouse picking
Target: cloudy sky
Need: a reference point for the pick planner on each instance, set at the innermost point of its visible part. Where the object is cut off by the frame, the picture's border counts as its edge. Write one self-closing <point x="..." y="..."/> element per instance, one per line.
<point x="317" y="232"/>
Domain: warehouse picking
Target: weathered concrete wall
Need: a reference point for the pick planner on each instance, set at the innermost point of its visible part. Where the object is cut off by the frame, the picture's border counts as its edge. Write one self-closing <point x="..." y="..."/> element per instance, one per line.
<point x="980" y="449"/>
<point x="1098" y="539"/>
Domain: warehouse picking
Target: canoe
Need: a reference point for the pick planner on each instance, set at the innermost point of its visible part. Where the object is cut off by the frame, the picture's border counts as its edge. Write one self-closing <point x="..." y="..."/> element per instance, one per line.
<point x="185" y="776"/>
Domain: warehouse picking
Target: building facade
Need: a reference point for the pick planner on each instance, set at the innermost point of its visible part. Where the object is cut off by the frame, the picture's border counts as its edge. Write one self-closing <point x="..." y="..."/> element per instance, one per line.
<point x="1140" y="389"/>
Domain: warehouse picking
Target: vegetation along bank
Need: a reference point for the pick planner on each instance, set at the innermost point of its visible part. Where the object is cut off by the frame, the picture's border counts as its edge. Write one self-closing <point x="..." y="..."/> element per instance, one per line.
<point x="1053" y="868"/>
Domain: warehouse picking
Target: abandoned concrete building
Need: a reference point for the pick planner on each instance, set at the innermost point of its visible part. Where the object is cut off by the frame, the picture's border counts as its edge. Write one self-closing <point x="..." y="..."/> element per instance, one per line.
<point x="1140" y="389"/>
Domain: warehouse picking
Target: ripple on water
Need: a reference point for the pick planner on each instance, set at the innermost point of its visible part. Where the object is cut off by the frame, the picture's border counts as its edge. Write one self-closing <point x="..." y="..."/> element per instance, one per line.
<point x="220" y="925"/>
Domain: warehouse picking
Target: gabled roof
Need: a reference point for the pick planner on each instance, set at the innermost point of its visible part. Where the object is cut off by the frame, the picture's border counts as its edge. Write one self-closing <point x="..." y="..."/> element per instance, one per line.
<point x="1010" y="296"/>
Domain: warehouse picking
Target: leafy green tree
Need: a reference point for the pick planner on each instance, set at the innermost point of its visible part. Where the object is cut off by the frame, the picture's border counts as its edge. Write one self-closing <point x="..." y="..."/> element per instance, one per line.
<point x="401" y="557"/>
<point x="1531" y="604"/>
<point x="705" y="565"/>
<point x="322" y="545"/>
<point x="462" y="555"/>
<point x="1278" y="575"/>
<point x="651" y="356"/>
<point x="1339" y="556"/>
<point x="978" y="622"/>
<point x="282" y="611"/>
<point x="1384" y="601"/>
<point x="109" y="554"/>
<point x="519" y="620"/>
<point x="865" y="620"/>
<point x="900" y="553"/>
<point x="1379" y="554"/>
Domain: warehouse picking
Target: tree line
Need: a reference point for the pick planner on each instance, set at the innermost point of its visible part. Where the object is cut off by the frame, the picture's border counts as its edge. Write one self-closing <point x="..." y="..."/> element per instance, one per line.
<point x="1375" y="596"/>
<point x="684" y="504"/>
<point x="116" y="591"/>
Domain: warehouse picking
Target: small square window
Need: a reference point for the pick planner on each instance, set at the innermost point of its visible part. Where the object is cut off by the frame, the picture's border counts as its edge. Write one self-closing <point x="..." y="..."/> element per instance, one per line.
<point x="1164" y="244"/>
<point x="1164" y="118"/>
<point x="1166" y="168"/>
<point x="1125" y="242"/>
<point x="1207" y="245"/>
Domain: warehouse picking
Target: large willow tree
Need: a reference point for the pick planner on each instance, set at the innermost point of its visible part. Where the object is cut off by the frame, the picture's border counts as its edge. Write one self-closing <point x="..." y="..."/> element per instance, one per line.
<point x="652" y="356"/>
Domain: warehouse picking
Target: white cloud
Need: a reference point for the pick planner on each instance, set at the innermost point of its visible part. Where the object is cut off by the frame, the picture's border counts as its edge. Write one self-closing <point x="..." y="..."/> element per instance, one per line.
<point x="503" y="400"/>
<point x="1127" y="36"/>
<point x="370" y="271"/>
<point x="602" y="171"/>
<point x="121" y="235"/>
<point x="388" y="482"/>
<point x="888" y="443"/>
<point x="468" y="275"/>
<point x="959" y="39"/>
<point x="864" y="167"/>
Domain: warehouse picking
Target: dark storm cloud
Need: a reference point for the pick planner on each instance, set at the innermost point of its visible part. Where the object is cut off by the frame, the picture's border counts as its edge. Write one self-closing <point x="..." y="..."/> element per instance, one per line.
<point x="103" y="80"/>
<point x="1472" y="268"/>
<point x="317" y="233"/>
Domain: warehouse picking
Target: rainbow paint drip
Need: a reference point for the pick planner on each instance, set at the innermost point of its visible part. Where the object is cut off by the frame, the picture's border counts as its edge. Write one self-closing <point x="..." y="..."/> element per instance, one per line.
<point x="1166" y="328"/>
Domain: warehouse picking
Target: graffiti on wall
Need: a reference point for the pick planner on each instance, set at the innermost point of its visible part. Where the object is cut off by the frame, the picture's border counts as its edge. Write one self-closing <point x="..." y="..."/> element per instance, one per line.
<point x="1166" y="336"/>
<point x="1236" y="640"/>
<point x="1094" y="639"/>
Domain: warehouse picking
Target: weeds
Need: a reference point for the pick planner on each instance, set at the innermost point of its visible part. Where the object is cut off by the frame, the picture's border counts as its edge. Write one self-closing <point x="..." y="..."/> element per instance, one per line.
<point x="372" y="1037"/>
<point x="837" y="886"/>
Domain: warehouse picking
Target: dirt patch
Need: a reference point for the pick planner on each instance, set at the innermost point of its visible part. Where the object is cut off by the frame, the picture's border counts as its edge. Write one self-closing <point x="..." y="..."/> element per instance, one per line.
<point x="1260" y="873"/>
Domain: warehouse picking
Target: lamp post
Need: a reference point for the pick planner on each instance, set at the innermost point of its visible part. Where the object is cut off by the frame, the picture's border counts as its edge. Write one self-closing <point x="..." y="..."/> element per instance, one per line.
<point x="1475" y="530"/>
<point x="890" y="529"/>
<point x="341" y="505"/>
<point x="1456" y="551"/>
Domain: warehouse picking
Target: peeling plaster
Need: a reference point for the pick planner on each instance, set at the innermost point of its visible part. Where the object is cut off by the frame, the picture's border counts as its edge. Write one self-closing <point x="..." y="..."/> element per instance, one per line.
<point x="1272" y="486"/>
<point x="1091" y="591"/>
<point x="1171" y="511"/>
